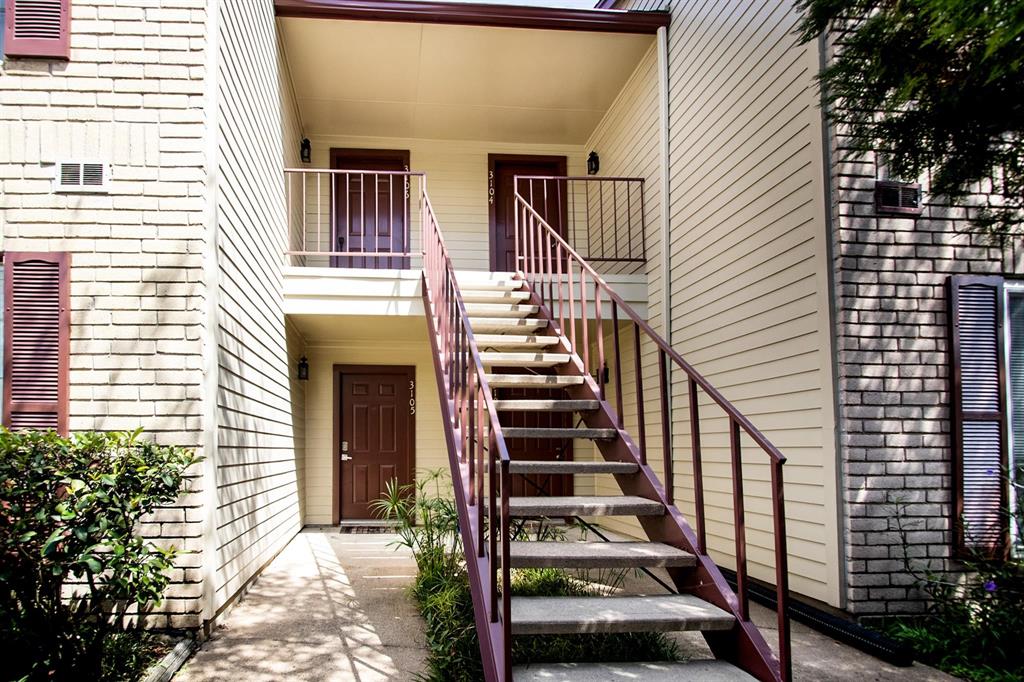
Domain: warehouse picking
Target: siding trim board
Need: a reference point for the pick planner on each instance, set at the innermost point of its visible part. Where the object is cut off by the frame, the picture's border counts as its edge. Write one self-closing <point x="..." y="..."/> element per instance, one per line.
<point x="471" y="14"/>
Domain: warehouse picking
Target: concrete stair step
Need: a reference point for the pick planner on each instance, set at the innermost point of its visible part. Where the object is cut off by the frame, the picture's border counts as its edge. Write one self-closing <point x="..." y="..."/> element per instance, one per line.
<point x="598" y="555"/>
<point x="474" y="295"/>
<point x="532" y="380"/>
<point x="500" y="310"/>
<point x="681" y="671"/>
<point x="495" y="359"/>
<point x="546" y="405"/>
<point x="514" y="341"/>
<point x="561" y="467"/>
<point x="539" y="432"/>
<point x="583" y="505"/>
<point x="498" y="325"/>
<point x="572" y="615"/>
<point x="488" y="280"/>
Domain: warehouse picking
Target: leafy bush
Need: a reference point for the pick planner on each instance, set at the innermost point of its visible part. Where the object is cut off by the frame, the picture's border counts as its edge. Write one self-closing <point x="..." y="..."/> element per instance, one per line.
<point x="974" y="622"/>
<point x="445" y="601"/>
<point x="71" y="563"/>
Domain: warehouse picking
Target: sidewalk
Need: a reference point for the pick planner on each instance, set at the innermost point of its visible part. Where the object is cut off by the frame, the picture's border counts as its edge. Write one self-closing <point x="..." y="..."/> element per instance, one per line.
<point x="330" y="607"/>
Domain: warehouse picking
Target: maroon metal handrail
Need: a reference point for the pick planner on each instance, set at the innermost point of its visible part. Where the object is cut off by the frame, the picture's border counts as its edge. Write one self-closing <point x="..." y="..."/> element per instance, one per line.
<point x="471" y="420"/>
<point x="350" y="218"/>
<point x="559" y="275"/>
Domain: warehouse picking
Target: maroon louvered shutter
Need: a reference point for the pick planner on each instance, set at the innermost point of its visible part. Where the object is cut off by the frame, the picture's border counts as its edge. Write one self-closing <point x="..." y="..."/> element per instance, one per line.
<point x="36" y="340"/>
<point x="979" y="426"/>
<point x="38" y="28"/>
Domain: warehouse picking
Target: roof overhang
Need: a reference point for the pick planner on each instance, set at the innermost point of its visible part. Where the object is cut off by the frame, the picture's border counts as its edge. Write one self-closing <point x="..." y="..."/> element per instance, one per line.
<point x="473" y="14"/>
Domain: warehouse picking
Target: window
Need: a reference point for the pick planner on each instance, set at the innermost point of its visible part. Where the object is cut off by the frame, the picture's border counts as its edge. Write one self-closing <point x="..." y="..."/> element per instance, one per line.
<point x="36" y="340"/>
<point x="987" y="406"/>
<point x="1015" y="399"/>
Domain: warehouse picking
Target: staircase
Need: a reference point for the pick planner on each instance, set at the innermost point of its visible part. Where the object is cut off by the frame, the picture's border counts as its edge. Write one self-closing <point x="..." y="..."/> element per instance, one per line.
<point x="494" y="331"/>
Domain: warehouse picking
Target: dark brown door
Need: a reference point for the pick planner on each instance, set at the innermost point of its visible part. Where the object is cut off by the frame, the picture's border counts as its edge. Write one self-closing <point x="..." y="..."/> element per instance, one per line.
<point x="376" y="438"/>
<point x="371" y="210"/>
<point x="547" y="197"/>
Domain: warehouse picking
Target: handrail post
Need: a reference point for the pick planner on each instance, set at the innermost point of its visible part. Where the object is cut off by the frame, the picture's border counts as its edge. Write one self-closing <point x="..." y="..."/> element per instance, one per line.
<point x="781" y="574"/>
<point x="698" y="476"/>
<point x="738" y="516"/>
<point x="666" y="428"/>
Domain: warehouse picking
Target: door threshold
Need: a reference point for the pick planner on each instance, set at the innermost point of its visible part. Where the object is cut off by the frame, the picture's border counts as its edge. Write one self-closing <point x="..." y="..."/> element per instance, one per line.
<point x="368" y="523"/>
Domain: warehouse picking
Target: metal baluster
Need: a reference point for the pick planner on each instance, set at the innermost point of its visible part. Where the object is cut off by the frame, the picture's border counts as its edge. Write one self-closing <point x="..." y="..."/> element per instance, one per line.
<point x="739" y="521"/>
<point x="618" y="365"/>
<point x="666" y="427"/>
<point x="781" y="573"/>
<point x="698" y="476"/>
<point x="599" y="331"/>
<point x="640" y="416"/>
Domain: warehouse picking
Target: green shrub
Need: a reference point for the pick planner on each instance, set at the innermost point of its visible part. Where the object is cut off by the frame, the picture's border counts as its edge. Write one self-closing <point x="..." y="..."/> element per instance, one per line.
<point x="974" y="621"/>
<point x="442" y="591"/>
<point x="71" y="562"/>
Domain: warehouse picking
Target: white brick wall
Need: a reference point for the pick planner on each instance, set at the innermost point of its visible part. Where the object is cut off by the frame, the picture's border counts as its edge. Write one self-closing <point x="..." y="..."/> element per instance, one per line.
<point x="132" y="95"/>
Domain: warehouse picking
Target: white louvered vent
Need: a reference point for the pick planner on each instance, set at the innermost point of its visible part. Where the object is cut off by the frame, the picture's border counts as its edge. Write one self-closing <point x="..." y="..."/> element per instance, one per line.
<point x="81" y="176"/>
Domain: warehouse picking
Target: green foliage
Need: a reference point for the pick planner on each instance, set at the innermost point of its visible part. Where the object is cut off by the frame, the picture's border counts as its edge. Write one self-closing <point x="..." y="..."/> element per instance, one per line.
<point x="445" y="601"/>
<point x="974" y="620"/>
<point x="71" y="563"/>
<point x="936" y="85"/>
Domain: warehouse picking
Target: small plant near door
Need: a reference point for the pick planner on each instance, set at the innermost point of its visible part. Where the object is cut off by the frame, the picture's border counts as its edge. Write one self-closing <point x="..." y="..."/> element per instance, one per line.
<point x="428" y="526"/>
<point x="73" y="568"/>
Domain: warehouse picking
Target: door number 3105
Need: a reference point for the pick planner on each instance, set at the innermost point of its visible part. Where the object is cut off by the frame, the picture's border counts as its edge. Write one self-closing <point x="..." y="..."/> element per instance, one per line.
<point x="412" y="397"/>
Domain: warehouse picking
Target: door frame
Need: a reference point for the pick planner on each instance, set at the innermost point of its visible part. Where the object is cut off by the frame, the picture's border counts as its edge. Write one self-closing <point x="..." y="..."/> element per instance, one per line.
<point x="561" y="163"/>
<point x="337" y="371"/>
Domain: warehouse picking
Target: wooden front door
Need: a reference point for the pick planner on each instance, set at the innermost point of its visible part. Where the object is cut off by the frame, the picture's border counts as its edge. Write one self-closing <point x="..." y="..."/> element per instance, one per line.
<point x="377" y="407"/>
<point x="552" y="204"/>
<point x="371" y="210"/>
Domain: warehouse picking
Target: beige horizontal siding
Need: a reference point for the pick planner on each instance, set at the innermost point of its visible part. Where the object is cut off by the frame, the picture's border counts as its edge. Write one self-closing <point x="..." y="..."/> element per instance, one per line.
<point x="259" y="447"/>
<point x="748" y="276"/>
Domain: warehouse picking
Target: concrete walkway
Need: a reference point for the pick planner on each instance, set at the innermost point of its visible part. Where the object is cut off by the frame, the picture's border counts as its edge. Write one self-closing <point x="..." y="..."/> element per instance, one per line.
<point x="331" y="607"/>
<point x="335" y="607"/>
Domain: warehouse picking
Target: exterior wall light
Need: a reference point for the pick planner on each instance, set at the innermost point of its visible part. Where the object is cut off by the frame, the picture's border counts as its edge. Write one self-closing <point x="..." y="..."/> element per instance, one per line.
<point x="303" y="369"/>
<point x="305" y="150"/>
<point x="593" y="163"/>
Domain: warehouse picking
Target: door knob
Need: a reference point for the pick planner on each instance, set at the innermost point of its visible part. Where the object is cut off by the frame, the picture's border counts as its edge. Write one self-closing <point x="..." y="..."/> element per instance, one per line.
<point x="345" y="458"/>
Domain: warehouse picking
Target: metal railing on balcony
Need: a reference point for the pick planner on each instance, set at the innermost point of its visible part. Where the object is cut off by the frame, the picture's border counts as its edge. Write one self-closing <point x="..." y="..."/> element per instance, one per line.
<point x="603" y="218"/>
<point x="568" y="285"/>
<point x="353" y="218"/>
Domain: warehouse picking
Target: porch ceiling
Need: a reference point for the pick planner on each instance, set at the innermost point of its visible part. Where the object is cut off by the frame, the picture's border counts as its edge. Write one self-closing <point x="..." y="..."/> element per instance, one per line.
<point x="393" y="79"/>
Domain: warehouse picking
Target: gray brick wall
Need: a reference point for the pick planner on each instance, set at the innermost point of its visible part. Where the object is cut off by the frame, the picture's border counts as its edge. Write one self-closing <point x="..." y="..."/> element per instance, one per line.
<point x="890" y="275"/>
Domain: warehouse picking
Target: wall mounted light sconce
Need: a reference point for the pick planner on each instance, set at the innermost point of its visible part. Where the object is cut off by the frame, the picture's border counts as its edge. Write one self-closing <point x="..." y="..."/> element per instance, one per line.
<point x="593" y="163"/>
<point x="305" y="150"/>
<point x="601" y="376"/>
<point x="303" y="371"/>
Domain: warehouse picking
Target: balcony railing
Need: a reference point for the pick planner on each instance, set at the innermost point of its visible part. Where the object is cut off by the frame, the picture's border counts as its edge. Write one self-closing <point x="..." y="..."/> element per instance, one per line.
<point x="603" y="218"/>
<point x="353" y="218"/>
